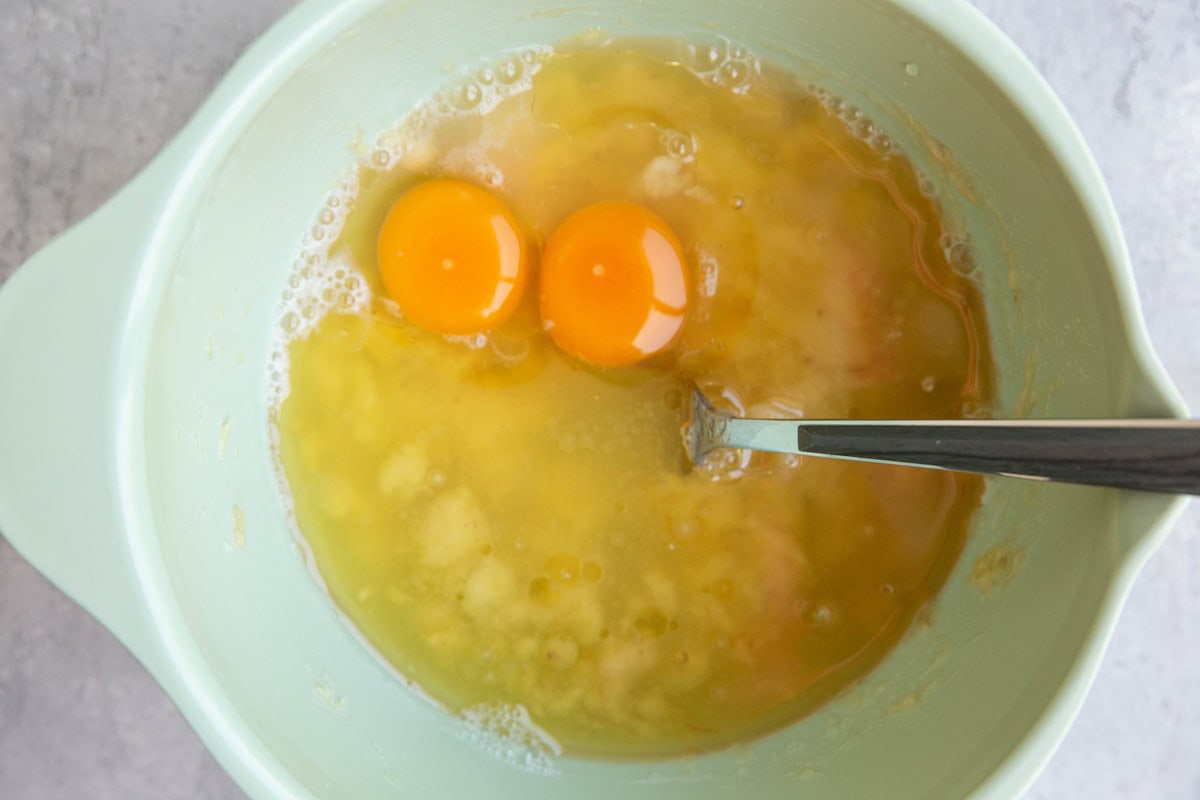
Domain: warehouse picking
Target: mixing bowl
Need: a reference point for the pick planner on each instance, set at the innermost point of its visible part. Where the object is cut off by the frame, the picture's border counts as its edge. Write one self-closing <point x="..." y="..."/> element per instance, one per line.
<point x="135" y="452"/>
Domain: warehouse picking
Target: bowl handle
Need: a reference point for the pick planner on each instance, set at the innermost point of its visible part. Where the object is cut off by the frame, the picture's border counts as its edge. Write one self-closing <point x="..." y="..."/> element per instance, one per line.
<point x="61" y="320"/>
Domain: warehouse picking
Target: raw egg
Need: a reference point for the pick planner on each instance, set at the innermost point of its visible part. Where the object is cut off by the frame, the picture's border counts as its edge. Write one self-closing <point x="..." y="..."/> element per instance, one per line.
<point x="614" y="286"/>
<point x="452" y="257"/>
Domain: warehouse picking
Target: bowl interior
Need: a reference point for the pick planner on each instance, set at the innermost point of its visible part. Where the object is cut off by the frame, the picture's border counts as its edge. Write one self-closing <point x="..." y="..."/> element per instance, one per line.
<point x="950" y="704"/>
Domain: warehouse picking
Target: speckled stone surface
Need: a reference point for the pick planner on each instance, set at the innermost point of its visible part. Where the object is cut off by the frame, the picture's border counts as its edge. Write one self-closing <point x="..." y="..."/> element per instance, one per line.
<point x="91" y="89"/>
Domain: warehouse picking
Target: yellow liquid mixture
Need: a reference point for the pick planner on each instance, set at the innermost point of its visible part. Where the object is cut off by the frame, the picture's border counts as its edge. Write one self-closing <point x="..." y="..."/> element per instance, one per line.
<point x="510" y="527"/>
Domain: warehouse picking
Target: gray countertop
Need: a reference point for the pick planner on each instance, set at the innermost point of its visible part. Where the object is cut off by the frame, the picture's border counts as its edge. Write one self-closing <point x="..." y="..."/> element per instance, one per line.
<point x="91" y="89"/>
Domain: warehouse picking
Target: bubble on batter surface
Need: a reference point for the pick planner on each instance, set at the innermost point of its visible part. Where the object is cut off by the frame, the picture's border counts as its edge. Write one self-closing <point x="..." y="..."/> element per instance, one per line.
<point x="507" y="733"/>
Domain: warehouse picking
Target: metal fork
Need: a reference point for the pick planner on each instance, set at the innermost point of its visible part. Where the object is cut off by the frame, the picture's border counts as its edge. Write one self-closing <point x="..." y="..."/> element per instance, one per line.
<point x="1153" y="455"/>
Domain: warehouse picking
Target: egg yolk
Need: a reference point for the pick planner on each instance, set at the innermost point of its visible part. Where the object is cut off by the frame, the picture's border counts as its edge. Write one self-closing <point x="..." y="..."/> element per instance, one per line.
<point x="614" y="286"/>
<point x="452" y="257"/>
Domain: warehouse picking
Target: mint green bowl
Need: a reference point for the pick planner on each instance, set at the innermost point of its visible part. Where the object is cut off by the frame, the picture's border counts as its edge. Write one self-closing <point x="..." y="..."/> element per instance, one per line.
<point x="135" y="352"/>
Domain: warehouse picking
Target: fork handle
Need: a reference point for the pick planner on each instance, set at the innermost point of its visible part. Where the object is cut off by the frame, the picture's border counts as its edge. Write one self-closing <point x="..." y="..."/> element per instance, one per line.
<point x="1148" y="455"/>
